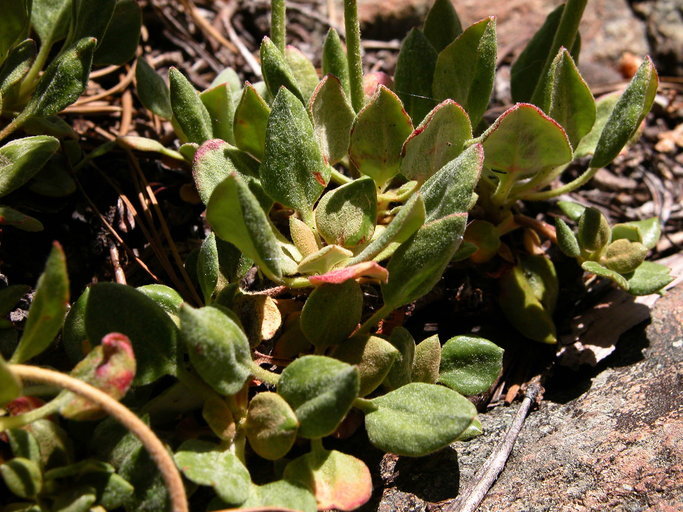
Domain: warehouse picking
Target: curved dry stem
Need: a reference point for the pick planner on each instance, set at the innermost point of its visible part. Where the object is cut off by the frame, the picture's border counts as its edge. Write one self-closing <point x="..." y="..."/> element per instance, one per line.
<point x="127" y="418"/>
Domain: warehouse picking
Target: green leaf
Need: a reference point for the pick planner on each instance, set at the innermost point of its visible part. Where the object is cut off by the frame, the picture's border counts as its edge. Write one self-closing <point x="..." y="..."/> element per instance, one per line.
<point x="569" y="100"/>
<point x="188" y="110"/>
<point x="303" y="70"/>
<point x="251" y="121"/>
<point x="11" y="217"/>
<point x="281" y="494"/>
<point x="205" y="464"/>
<point x="17" y="64"/>
<point x="271" y="425"/>
<point x="465" y="69"/>
<point x="566" y="239"/>
<point x="339" y="481"/>
<point x="484" y="237"/>
<point x="523" y="309"/>
<point x="90" y="19"/>
<point x="623" y="256"/>
<point x="426" y="361"/>
<point x="320" y="390"/>
<point x="372" y="355"/>
<point x="604" y="107"/>
<point x="21" y="159"/>
<point x="228" y="76"/>
<point x="346" y="215"/>
<point x="218" y="102"/>
<point x="303" y="237"/>
<point x="331" y="313"/>
<point x="571" y="210"/>
<point x="276" y="71"/>
<point x="594" y="231"/>
<point x="377" y="136"/>
<point x="208" y="267"/>
<point x="10" y="296"/>
<point x="75" y="499"/>
<point x="401" y="371"/>
<point x="524" y="142"/>
<point x="324" y="260"/>
<point x="436" y="141"/>
<point x="406" y="222"/>
<point x="152" y="90"/>
<point x="54" y="179"/>
<point x="539" y="272"/>
<point x="602" y="271"/>
<point x="22" y="477"/>
<point x="334" y="60"/>
<point x="470" y="364"/>
<point x="120" y="40"/>
<point x="50" y="19"/>
<point x="648" y="278"/>
<point x="111" y="307"/>
<point x="23" y="444"/>
<point x="48" y="308"/>
<point x="332" y="116"/>
<point x="442" y="25"/>
<point x="433" y="415"/>
<point x="218" y="349"/>
<point x="414" y="74"/>
<point x="10" y="386"/>
<point x="628" y="113"/>
<point x="166" y="297"/>
<point x="237" y="217"/>
<point x="293" y="173"/>
<point x="526" y="71"/>
<point x="14" y="24"/>
<point x="63" y="81"/>
<point x="648" y="230"/>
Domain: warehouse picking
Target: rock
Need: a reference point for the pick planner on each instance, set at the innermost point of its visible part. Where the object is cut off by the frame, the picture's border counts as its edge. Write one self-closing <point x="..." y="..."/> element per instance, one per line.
<point x="664" y="22"/>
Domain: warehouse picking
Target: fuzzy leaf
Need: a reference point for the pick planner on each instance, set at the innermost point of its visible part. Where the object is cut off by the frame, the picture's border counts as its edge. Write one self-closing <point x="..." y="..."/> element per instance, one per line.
<point x="523" y="309"/>
<point x="50" y="19"/>
<point x="648" y="278"/>
<point x="21" y="159"/>
<point x="219" y="418"/>
<point x="569" y="100"/>
<point x="22" y="477"/>
<point x="332" y="116"/>
<point x="322" y="261"/>
<point x="465" y="69"/>
<point x="152" y="90"/>
<point x="539" y="272"/>
<point x="346" y="215"/>
<point x="276" y="71"/>
<point x="571" y="210"/>
<point x="218" y="349"/>
<point x="11" y="217"/>
<point x="334" y="60"/>
<point x="436" y="141"/>
<point x="48" y="308"/>
<point x="10" y="386"/>
<point x="218" y="102"/>
<point x="166" y="297"/>
<point x="208" y="267"/>
<point x="13" y="24"/>
<point x="251" y="119"/>
<point x="303" y="237"/>
<point x="442" y="25"/>
<point x="320" y="390"/>
<point x="90" y="18"/>
<point x="111" y="307"/>
<point x="369" y="269"/>
<point x="401" y="371"/>
<point x="566" y="239"/>
<point x="604" y="107"/>
<point x="526" y="71"/>
<point x="594" y="231"/>
<point x="434" y="415"/>
<point x="524" y="142"/>
<point x="279" y="494"/>
<point x="271" y="425"/>
<point x="648" y="231"/>
<point x="339" y="481"/>
<point x="628" y="113"/>
<point x="188" y="110"/>
<point x="237" y="217"/>
<point x="17" y="64"/>
<point x="63" y="81"/>
<point x="470" y="364"/>
<point x="602" y="271"/>
<point x="414" y="74"/>
<point x="372" y="355"/>
<point x="377" y="136"/>
<point x="303" y="70"/>
<point x="293" y="174"/>
<point x="485" y="238"/>
<point x="426" y="361"/>
<point x="120" y="40"/>
<point x="205" y="464"/>
<point x="23" y="444"/>
<point x="624" y="256"/>
<point x="331" y="313"/>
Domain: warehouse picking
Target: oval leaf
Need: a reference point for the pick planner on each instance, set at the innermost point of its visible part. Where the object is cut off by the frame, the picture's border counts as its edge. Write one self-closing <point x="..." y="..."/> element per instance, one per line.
<point x="276" y="71"/>
<point x="470" y="364"/>
<point x="22" y="477"/>
<point x="188" y="110"/>
<point x="442" y="25"/>
<point x="334" y="60"/>
<point x="372" y="355"/>
<point x="22" y="159"/>
<point x="427" y="360"/>
<point x="271" y="425"/>
<point x="332" y="116"/>
<point x="251" y="120"/>
<point x="218" y="102"/>
<point x="152" y="90"/>
<point x="120" y="40"/>
<point x="414" y="74"/>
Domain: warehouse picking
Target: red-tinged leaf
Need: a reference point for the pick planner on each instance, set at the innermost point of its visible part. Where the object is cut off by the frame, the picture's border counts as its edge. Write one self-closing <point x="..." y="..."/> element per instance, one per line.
<point x="339" y="481"/>
<point x="370" y="269"/>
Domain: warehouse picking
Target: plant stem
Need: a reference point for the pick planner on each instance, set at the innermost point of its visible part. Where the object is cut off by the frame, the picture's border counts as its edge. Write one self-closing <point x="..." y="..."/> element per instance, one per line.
<point x="352" y="28"/>
<point x="125" y="416"/>
<point x="264" y="375"/>
<point x="564" y="36"/>
<point x="8" y="422"/>
<point x="13" y="125"/>
<point x="338" y="177"/>
<point x="378" y="315"/>
<point x="572" y="185"/>
<point x="29" y="81"/>
<point x="278" y="27"/>
<point x="364" y="405"/>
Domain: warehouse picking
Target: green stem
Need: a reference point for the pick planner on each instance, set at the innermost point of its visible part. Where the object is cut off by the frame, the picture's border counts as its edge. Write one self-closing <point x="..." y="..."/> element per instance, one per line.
<point x="564" y="36"/>
<point x="13" y="125"/>
<point x="278" y="28"/>
<point x="505" y="183"/>
<point x="28" y="84"/>
<point x="317" y="445"/>
<point x="339" y="178"/>
<point x="8" y="422"/>
<point x="353" y="50"/>
<point x="296" y="282"/>
<point x="364" y="405"/>
<point x="264" y="375"/>
<point x="371" y="322"/>
<point x="564" y="189"/>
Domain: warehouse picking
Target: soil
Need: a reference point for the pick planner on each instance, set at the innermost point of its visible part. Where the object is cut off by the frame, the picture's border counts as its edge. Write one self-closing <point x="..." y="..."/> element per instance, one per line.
<point x="606" y="436"/>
